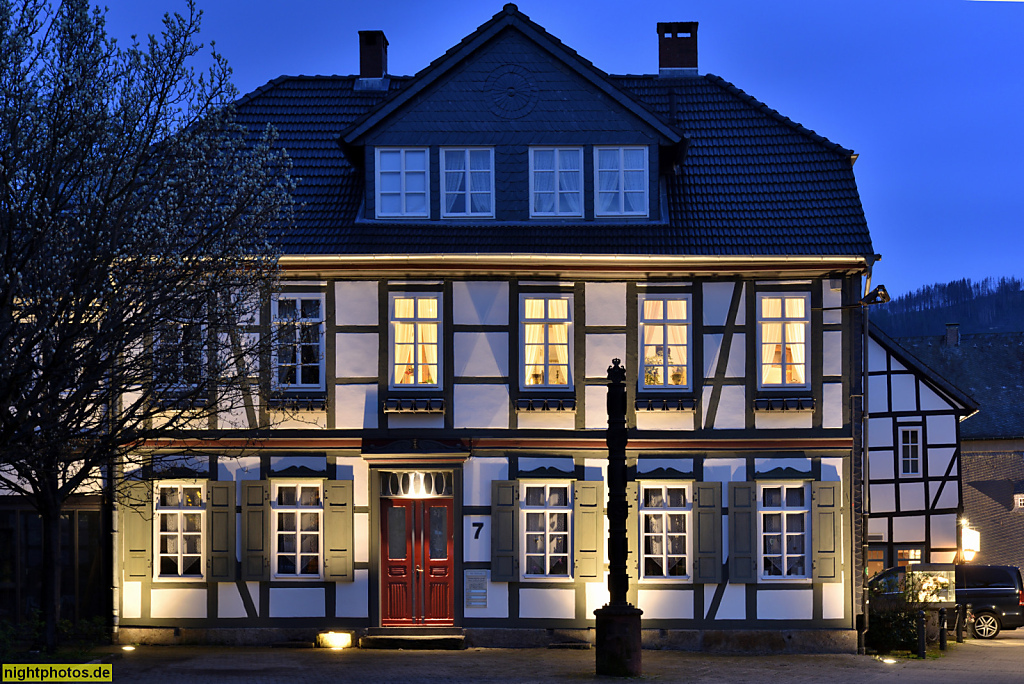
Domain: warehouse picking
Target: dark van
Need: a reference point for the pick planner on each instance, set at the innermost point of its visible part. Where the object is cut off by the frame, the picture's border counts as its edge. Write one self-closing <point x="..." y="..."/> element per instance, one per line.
<point x="996" y="595"/>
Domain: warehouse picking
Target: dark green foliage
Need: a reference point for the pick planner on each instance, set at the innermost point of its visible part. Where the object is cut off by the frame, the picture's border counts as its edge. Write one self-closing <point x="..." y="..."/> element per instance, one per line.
<point x="989" y="305"/>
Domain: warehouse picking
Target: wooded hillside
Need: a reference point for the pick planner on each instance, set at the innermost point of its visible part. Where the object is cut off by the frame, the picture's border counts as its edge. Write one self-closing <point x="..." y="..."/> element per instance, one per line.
<point x="989" y="305"/>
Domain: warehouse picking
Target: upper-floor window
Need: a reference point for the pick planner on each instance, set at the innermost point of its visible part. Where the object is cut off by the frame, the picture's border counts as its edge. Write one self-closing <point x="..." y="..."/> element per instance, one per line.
<point x="415" y="320"/>
<point x="299" y="344"/>
<point x="547" y="323"/>
<point x="297" y="514"/>
<point x="468" y="182"/>
<point x="178" y="353"/>
<point x="556" y="181"/>
<point x="783" y="511"/>
<point x="664" y="334"/>
<point x="403" y="178"/>
<point x="664" y="522"/>
<point x="621" y="188"/>
<point x="783" y="322"/>
<point x="910" y="451"/>
<point x="547" y="517"/>
<point x="180" y="509"/>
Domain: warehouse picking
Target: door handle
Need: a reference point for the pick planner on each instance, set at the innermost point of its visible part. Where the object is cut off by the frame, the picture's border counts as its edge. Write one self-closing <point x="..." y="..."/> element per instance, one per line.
<point x="419" y="569"/>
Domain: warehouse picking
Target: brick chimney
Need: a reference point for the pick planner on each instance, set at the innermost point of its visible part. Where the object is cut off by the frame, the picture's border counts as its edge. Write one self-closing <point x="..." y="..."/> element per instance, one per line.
<point x="952" y="334"/>
<point x="677" y="48"/>
<point x="373" y="54"/>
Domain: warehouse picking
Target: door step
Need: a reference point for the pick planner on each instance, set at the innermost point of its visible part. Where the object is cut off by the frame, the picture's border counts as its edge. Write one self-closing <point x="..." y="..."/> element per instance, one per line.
<point x="427" y="638"/>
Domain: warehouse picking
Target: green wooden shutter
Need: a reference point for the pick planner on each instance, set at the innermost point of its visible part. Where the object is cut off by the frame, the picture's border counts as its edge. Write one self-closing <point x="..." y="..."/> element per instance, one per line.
<point x="504" y="531"/>
<point x="742" y="532"/>
<point x="633" y="540"/>
<point x="707" y="532"/>
<point x="588" y="516"/>
<point x="338" y="555"/>
<point x="826" y="498"/>
<point x="256" y="530"/>
<point x="137" y="530"/>
<point x="221" y="522"/>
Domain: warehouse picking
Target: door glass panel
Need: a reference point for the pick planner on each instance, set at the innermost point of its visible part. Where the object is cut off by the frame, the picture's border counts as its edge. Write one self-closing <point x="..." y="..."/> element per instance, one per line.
<point x="438" y="532"/>
<point x="396" y="533"/>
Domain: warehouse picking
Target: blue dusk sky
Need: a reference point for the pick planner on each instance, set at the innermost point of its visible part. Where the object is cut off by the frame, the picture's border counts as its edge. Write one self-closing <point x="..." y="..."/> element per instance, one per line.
<point x="928" y="93"/>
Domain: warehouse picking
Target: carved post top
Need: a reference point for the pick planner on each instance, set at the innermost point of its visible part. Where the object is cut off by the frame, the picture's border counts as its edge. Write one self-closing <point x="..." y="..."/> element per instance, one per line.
<point x="616" y="373"/>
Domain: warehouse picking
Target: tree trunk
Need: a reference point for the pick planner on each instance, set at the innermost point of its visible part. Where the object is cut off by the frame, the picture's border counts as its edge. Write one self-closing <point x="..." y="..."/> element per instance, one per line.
<point x="51" y="576"/>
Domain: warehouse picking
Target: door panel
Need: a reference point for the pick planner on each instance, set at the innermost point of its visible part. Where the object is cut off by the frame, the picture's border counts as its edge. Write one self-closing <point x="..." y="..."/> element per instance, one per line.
<point x="417" y="561"/>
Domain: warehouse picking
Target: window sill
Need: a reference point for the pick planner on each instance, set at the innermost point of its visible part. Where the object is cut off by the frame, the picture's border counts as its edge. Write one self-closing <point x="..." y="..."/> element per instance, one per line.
<point x="316" y="401"/>
<point x="792" y="404"/>
<point x="421" y="405"/>
<point x="665" y="404"/>
<point x="180" y="403"/>
<point x="565" y="404"/>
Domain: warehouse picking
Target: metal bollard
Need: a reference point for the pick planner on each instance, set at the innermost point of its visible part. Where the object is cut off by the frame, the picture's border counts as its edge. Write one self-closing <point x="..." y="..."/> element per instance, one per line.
<point x="942" y="629"/>
<point x="921" y="636"/>
<point x="961" y="616"/>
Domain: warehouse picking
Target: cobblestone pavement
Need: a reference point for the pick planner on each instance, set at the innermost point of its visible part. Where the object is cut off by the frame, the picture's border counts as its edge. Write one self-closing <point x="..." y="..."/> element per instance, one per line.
<point x="988" y="662"/>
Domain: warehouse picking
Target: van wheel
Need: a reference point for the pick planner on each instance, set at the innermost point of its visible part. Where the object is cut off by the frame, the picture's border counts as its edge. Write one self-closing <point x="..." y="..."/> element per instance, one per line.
<point x="986" y="625"/>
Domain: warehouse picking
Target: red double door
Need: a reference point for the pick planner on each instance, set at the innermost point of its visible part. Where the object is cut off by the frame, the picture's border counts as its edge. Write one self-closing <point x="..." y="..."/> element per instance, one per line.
<point x="417" y="562"/>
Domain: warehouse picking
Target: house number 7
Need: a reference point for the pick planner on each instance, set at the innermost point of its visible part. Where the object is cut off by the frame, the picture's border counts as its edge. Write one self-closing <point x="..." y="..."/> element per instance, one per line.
<point x="479" y="526"/>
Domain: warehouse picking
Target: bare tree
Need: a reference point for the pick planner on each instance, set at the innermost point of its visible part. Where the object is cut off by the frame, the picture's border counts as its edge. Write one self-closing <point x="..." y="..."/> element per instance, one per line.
<point x="135" y="251"/>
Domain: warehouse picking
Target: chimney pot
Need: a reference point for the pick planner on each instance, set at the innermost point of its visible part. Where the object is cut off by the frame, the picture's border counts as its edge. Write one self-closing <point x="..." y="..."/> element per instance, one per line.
<point x="677" y="48"/>
<point x="373" y="54"/>
<point x="952" y="334"/>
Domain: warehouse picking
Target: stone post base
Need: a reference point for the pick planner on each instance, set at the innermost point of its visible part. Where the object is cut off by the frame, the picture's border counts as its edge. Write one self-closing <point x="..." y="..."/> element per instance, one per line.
<point x="618" y="641"/>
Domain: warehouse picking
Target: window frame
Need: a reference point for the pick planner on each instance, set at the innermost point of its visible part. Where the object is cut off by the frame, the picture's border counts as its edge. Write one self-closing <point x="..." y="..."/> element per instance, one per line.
<point x="783" y="320"/>
<point x="546" y="321"/>
<point x="621" y="149"/>
<point x="558" y="150"/>
<point x="275" y="361"/>
<point x="915" y="459"/>
<point x="392" y="325"/>
<point x="687" y="345"/>
<point x="526" y="509"/>
<point x="403" y="192"/>
<point x="643" y="511"/>
<point x="467" y="192"/>
<point x="296" y="509"/>
<point x="783" y="510"/>
<point x="179" y="512"/>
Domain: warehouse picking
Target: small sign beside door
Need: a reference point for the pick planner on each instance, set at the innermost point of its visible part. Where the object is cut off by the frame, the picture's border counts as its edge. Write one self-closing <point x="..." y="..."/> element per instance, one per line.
<point x="476" y="589"/>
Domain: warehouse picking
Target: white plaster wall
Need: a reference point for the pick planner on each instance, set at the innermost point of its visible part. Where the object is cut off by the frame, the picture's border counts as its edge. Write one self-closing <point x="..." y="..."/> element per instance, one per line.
<point x="717" y="297"/>
<point x="481" y="354"/>
<point x="763" y="465"/>
<point x="647" y="465"/>
<point x="298" y="420"/>
<point x="177" y="603"/>
<point x="597" y="595"/>
<point x="547" y="420"/>
<point x="831" y="300"/>
<point x="315" y="463"/>
<point x="297" y="602"/>
<point x="878" y="397"/>
<point x="595" y="399"/>
<point x="831" y="470"/>
<point x="476" y="547"/>
<point x="941" y="429"/>
<point x="876" y="356"/>
<point x="783" y="420"/>
<point x="357" y="355"/>
<point x="912" y="496"/>
<point x="943" y="556"/>
<point x="938" y="461"/>
<point x="361" y="537"/>
<point x="732" y="408"/>
<point x="497" y="601"/>
<point x="712" y="349"/>
<point x="236" y="418"/>
<point x="479" y="303"/>
<point x="881" y="465"/>
<point x="725" y="470"/>
<point x="878" y="526"/>
<point x="904" y="392"/>
<point x="949" y="498"/>
<point x="355" y="302"/>
<point x="908" y="529"/>
<point x="229" y="601"/>
<point x="880" y="432"/>
<point x="352" y="599"/>
<point x="832" y="352"/>
<point x="606" y="303"/>
<point x="564" y="464"/>
<point x="477" y="474"/>
<point x="131" y="600"/>
<point x="832" y="405"/>
<point x="943" y="530"/>
<point x="596" y="470"/>
<point x="357" y="470"/>
<point x="427" y="421"/>
<point x="660" y="420"/>
<point x="737" y="364"/>
<point x="547" y="603"/>
<point x="734" y="601"/>
<point x="883" y="498"/>
<point x="785" y="605"/>
<point x="481" y="406"/>
<point x="601" y="349"/>
<point x="930" y="401"/>
<point x="665" y="604"/>
<point x="833" y="600"/>
<point x="356" y="406"/>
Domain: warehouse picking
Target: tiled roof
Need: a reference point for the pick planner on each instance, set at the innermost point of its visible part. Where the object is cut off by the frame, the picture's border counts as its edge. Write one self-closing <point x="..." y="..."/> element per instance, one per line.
<point x="752" y="182"/>
<point x="989" y="367"/>
<point x="990" y="481"/>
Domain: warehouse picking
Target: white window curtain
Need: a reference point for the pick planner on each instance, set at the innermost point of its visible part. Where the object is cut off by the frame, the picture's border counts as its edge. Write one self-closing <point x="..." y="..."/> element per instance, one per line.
<point x="569" y="200"/>
<point x="454" y="182"/>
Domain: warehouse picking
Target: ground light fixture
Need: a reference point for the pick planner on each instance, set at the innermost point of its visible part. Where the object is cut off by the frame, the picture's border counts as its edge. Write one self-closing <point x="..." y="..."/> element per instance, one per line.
<point x="128" y="648"/>
<point x="889" y="661"/>
<point x="335" y="641"/>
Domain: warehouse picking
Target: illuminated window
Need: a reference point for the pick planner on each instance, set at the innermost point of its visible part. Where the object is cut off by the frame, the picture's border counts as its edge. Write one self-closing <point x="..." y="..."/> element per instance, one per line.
<point x="876" y="561"/>
<point x="783" y="322"/>
<point x="664" y="335"/>
<point x="621" y="188"/>
<point x="910" y="451"/>
<point x="556" y="181"/>
<point x="547" y="519"/>
<point x="783" y="515"/>
<point x="468" y="182"/>
<point x="298" y="516"/>
<point x="180" y="509"/>
<point x="299" y="347"/>
<point x="664" y="525"/>
<point x="403" y="179"/>
<point x="905" y="557"/>
<point x="415" y="323"/>
<point x="547" y="324"/>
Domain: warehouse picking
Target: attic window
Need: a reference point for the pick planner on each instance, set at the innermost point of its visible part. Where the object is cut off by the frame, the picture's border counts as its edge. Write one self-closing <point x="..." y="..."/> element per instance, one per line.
<point x="402" y="182"/>
<point x="1018" y="502"/>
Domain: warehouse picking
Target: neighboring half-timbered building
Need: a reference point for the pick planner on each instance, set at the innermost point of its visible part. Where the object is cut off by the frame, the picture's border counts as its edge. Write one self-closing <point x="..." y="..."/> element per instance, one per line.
<point x="914" y="462"/>
<point x="473" y="245"/>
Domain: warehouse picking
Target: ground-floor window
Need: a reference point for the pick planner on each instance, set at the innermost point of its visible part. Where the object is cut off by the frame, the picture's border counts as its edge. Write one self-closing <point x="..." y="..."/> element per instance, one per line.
<point x="665" y="517"/>
<point x="180" y="509"/>
<point x="298" y="512"/>
<point x="782" y="521"/>
<point x="547" y="521"/>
